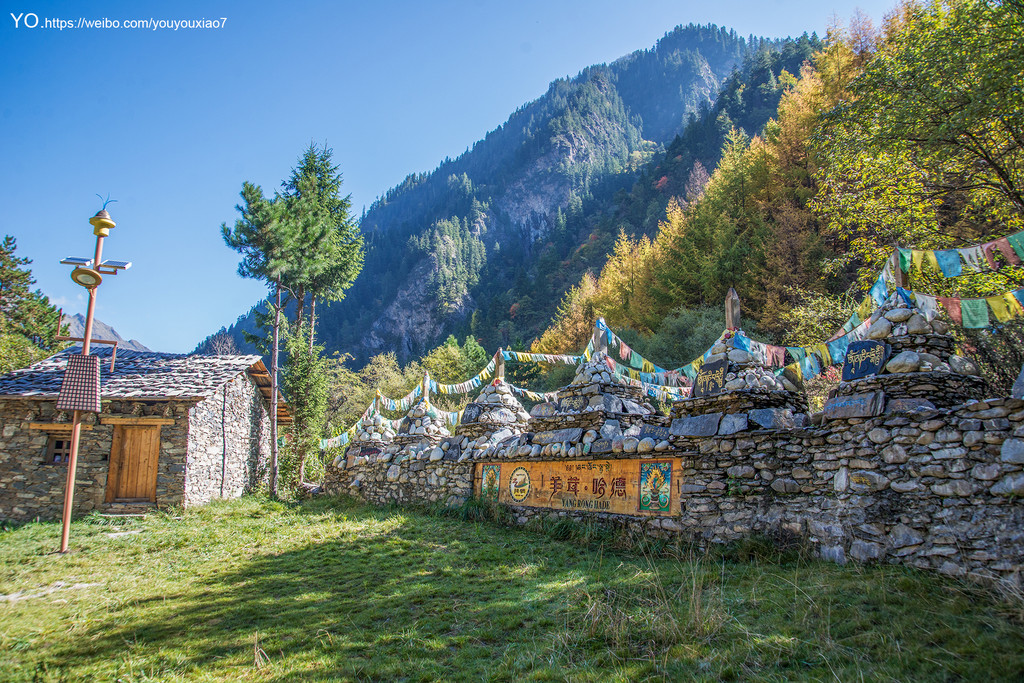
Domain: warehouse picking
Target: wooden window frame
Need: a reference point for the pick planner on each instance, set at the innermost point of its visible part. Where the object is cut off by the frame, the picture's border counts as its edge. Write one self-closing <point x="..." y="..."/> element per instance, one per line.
<point x="52" y="451"/>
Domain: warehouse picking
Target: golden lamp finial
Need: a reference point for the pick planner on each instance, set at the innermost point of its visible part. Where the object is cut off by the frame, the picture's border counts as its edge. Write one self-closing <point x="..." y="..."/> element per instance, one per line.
<point x="102" y="223"/>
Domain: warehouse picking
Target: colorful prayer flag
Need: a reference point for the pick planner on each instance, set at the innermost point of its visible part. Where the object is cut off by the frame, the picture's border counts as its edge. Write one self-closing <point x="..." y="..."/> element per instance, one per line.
<point x="949" y="262"/>
<point x="952" y="306"/>
<point x="974" y="312"/>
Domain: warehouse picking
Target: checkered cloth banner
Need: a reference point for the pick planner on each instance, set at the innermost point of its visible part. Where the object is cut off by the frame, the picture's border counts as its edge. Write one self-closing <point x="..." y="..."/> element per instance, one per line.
<point x="80" y="389"/>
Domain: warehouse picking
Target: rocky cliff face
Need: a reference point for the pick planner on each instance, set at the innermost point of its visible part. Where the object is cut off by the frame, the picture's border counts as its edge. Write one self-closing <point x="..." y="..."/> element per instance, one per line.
<point x="592" y="136"/>
<point x="413" y="318"/>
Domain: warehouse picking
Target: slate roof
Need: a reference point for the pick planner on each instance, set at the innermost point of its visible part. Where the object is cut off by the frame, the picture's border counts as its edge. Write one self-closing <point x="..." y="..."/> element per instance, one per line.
<point x="142" y="375"/>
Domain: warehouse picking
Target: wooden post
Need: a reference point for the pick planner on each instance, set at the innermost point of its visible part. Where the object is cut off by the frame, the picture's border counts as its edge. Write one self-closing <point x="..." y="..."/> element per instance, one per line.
<point x="426" y="386"/>
<point x="732" y="310"/>
<point x="897" y="271"/>
<point x="273" y="388"/>
<point x="499" y="369"/>
<point x="76" y="420"/>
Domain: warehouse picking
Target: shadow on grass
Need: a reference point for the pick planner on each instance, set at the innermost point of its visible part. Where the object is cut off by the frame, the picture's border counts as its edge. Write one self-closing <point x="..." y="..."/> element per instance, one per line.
<point x="389" y="594"/>
<point x="376" y="602"/>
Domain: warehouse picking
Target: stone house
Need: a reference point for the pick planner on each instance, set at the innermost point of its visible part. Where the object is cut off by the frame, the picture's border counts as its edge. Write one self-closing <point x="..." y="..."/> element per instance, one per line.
<point x="174" y="430"/>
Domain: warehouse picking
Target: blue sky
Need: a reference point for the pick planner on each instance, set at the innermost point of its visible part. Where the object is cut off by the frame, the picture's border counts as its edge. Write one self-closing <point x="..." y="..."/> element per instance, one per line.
<point x="170" y="123"/>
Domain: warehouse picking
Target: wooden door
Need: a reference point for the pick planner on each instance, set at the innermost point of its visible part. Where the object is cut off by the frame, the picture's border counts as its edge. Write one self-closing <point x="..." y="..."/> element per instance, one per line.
<point x="133" y="459"/>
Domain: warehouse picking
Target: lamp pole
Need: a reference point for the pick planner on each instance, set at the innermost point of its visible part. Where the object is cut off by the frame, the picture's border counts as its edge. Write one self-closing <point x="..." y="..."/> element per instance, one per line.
<point x="90" y="278"/>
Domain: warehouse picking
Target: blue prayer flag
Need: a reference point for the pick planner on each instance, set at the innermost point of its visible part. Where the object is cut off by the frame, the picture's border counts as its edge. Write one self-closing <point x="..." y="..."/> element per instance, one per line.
<point x="837" y="349"/>
<point x="879" y="291"/>
<point x="809" y="366"/>
<point x="949" y="262"/>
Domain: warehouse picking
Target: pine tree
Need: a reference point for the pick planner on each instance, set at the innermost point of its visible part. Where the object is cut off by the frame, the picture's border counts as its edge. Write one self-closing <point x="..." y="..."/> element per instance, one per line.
<point x="28" y="323"/>
<point x="267" y="243"/>
<point x="331" y="245"/>
<point x="305" y="380"/>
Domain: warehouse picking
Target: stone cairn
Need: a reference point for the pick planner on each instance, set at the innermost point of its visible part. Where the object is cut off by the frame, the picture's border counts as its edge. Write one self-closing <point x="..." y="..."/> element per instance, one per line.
<point x="753" y="397"/>
<point x="745" y="372"/>
<point x="418" y="436"/>
<point x="595" y="387"/>
<point x="374" y="436"/>
<point x="420" y="429"/>
<point x="597" y="413"/>
<point x="375" y="431"/>
<point x="496" y="416"/>
<point x="923" y="372"/>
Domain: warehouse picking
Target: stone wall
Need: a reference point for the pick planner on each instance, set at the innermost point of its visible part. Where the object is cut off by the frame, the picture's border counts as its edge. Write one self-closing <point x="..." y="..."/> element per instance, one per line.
<point x="30" y="488"/>
<point x="411" y="479"/>
<point x="228" y="443"/>
<point x="938" y="489"/>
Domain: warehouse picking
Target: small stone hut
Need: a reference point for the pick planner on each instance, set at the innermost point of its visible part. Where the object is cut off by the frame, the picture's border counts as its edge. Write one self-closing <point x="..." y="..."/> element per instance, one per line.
<point x="174" y="430"/>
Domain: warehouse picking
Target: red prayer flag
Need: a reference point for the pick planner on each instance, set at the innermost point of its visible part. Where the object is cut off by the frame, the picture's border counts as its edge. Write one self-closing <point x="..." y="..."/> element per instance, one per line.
<point x="987" y="249"/>
<point x="1009" y="254"/>
<point x="1003" y="245"/>
<point x="952" y="306"/>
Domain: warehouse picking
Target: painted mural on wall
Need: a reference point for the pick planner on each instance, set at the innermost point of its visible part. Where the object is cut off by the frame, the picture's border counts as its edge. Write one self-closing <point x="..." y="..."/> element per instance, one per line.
<point x="655" y="486"/>
<point x="622" y="486"/>
<point x="490" y="482"/>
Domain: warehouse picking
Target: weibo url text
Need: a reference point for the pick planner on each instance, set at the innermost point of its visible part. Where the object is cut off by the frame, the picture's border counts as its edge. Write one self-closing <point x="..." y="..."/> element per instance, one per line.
<point x="33" y="20"/>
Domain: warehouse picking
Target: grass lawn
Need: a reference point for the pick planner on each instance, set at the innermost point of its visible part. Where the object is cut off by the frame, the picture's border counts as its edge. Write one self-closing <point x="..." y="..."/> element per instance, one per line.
<point x="332" y="590"/>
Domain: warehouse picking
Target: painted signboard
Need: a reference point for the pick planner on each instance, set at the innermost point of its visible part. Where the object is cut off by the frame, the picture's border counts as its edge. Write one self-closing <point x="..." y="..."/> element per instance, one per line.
<point x="710" y="378"/>
<point x="573" y="403"/>
<point x="655" y="486"/>
<point x="490" y="482"/>
<point x="471" y="413"/>
<point x="632" y="487"/>
<point x="865" y="358"/>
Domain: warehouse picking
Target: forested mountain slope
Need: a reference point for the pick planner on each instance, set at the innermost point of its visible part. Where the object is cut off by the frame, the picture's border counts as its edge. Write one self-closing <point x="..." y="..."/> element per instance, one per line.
<point x="887" y="137"/>
<point x="488" y="242"/>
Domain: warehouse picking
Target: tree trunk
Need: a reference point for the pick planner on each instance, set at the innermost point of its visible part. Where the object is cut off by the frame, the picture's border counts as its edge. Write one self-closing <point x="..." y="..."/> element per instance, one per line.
<point x="312" y="321"/>
<point x="300" y="301"/>
<point x="273" y="390"/>
<point x="303" y="428"/>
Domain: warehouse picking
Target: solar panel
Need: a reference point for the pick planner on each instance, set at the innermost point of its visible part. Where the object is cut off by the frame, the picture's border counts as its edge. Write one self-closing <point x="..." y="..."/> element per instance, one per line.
<point x="77" y="261"/>
<point x="116" y="265"/>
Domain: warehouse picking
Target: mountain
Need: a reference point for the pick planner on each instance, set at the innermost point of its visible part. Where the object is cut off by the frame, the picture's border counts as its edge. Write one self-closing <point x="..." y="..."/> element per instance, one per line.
<point x="100" y="330"/>
<point x="487" y="243"/>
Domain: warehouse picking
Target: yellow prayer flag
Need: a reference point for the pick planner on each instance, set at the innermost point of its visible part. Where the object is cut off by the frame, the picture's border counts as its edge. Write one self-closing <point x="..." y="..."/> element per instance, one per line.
<point x="1016" y="310"/>
<point x="933" y="261"/>
<point x="999" y="308"/>
<point x="823" y="354"/>
<point x="797" y="370"/>
<point x="918" y="259"/>
<point x="866" y="308"/>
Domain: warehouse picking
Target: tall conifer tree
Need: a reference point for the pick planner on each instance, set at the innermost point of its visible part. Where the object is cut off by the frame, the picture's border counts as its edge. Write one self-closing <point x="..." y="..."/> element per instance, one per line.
<point x="267" y="242"/>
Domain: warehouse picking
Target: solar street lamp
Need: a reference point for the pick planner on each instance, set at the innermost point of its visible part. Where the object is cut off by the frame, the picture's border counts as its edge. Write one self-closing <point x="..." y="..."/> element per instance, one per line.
<point x="80" y="389"/>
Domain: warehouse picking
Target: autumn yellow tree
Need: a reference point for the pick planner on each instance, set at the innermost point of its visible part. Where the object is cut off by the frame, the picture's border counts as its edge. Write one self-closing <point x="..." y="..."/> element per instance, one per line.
<point x="573" y="324"/>
<point x="624" y="287"/>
